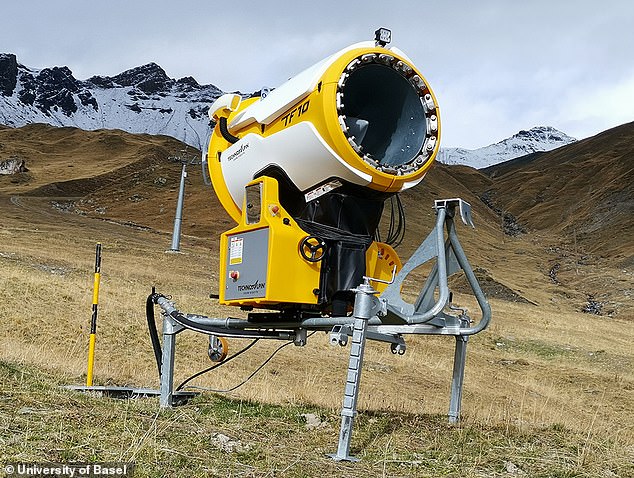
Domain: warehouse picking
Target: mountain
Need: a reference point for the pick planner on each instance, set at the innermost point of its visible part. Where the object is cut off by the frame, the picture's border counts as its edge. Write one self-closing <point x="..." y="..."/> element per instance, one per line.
<point x="140" y="100"/>
<point x="583" y="192"/>
<point x="539" y="138"/>
<point x="556" y="229"/>
<point x="145" y="100"/>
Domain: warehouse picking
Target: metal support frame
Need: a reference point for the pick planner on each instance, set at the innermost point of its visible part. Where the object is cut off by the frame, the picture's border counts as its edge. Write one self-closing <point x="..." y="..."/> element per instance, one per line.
<point x="170" y="329"/>
<point x="366" y="306"/>
<point x="457" y="379"/>
<point x="386" y="318"/>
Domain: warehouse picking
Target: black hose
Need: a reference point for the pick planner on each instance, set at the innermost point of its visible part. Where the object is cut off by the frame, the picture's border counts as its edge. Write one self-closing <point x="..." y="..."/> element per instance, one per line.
<point x="224" y="131"/>
<point x="190" y="324"/>
<point x="151" y="325"/>
<point x="396" y="229"/>
<point x="215" y="366"/>
<point x="324" y="231"/>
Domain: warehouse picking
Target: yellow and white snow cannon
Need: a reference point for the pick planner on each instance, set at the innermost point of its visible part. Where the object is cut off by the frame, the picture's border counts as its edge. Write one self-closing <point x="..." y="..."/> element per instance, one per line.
<point x="305" y="170"/>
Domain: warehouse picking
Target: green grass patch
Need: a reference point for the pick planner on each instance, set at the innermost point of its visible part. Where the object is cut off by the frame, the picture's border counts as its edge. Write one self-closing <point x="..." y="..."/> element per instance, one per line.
<point x="220" y="436"/>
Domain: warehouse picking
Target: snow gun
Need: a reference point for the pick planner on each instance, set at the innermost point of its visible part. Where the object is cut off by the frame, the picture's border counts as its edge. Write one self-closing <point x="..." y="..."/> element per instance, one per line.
<point x="305" y="170"/>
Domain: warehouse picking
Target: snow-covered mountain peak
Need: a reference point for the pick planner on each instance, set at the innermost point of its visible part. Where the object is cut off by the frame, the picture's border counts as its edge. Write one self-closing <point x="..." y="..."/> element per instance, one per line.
<point x="539" y="138"/>
<point x="146" y="100"/>
<point x="149" y="78"/>
<point x="140" y="100"/>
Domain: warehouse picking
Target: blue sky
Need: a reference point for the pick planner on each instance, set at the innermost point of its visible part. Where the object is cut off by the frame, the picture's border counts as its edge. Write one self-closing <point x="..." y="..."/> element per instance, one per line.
<point x="496" y="66"/>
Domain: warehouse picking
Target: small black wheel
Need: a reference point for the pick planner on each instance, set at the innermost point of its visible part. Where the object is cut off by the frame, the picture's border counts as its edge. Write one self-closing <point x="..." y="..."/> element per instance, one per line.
<point x="312" y="248"/>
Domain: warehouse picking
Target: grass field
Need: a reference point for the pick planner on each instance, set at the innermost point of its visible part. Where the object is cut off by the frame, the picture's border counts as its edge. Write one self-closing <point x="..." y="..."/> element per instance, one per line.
<point x="217" y="436"/>
<point x="548" y="390"/>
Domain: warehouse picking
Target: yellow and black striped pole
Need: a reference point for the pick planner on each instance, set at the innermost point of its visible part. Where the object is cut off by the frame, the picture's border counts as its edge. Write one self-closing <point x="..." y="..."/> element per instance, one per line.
<point x="93" y="322"/>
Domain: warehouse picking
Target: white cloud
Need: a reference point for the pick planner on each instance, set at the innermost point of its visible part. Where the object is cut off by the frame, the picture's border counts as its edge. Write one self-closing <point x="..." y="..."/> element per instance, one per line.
<point x="591" y="108"/>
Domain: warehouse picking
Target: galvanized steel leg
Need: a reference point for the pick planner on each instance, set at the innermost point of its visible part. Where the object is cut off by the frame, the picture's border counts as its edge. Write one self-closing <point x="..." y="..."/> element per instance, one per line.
<point x="363" y="310"/>
<point x="351" y="394"/>
<point x="459" y="361"/>
<point x="170" y="329"/>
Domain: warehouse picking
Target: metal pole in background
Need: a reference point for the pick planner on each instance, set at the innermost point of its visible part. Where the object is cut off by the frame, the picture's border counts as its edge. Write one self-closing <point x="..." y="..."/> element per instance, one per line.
<point x="93" y="321"/>
<point x="176" y="236"/>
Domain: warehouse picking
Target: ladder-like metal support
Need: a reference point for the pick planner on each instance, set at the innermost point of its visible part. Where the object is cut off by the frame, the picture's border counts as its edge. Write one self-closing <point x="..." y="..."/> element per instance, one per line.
<point x="366" y="305"/>
<point x="351" y="392"/>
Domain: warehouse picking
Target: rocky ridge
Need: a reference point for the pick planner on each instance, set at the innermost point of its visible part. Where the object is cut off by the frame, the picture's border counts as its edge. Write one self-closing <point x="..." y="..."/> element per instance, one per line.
<point x="146" y="100"/>
<point x="140" y="100"/>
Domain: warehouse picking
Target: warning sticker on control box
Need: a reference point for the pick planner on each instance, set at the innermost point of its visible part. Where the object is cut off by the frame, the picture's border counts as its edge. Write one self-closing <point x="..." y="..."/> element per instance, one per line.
<point x="236" y="246"/>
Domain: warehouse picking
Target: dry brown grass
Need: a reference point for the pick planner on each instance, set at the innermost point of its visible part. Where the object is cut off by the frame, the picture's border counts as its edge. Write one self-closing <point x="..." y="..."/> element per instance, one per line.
<point x="534" y="366"/>
<point x="540" y="370"/>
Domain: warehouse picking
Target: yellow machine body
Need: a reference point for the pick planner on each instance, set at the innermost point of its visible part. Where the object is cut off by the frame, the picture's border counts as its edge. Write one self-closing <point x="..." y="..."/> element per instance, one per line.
<point x="304" y="170"/>
<point x="261" y="264"/>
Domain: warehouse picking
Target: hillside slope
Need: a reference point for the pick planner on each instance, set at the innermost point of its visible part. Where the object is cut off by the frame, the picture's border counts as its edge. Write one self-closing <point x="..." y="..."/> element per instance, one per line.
<point x="547" y="391"/>
<point x="126" y="178"/>
<point x="583" y="192"/>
